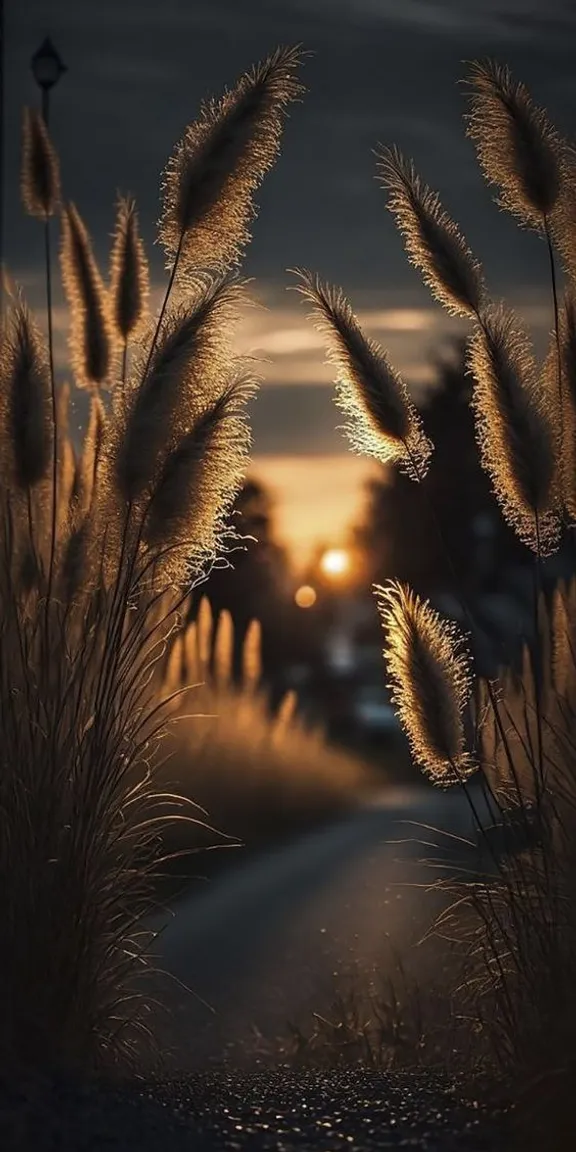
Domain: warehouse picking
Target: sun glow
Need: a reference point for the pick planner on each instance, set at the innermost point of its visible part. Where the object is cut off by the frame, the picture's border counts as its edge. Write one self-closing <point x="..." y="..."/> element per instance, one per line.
<point x="335" y="563"/>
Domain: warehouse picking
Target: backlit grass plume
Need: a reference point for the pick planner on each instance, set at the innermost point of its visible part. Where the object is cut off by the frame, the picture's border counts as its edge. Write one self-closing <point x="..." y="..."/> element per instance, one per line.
<point x="514" y="433"/>
<point x="182" y="376"/>
<point x="40" y="174"/>
<point x="220" y="162"/>
<point x="25" y="403"/>
<point x="433" y="241"/>
<point x="518" y="148"/>
<point x="129" y="279"/>
<point x="197" y="484"/>
<point x="430" y="681"/>
<point x="91" y="333"/>
<point x="383" y="421"/>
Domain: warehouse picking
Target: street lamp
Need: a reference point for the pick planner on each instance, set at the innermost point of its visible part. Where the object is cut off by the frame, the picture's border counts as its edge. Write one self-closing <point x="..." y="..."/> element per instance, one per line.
<point x="47" y="68"/>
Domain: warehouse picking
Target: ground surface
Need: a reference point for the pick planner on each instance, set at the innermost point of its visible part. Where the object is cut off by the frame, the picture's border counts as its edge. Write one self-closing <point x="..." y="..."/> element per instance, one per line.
<point x="268" y="1112"/>
<point x="264" y="945"/>
<point x="261" y="947"/>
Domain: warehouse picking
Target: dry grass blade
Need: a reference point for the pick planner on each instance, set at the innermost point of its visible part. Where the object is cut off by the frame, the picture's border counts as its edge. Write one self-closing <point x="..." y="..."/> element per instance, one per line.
<point x="430" y="680"/>
<point x="220" y="162"/>
<point x="518" y="148"/>
<point x="40" y="176"/>
<point x="383" y="421"/>
<point x="433" y="241"/>
<point x="91" y="337"/>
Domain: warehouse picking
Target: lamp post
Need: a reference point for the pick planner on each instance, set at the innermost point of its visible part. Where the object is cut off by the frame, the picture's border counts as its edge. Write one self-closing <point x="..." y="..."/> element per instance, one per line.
<point x="47" y="68"/>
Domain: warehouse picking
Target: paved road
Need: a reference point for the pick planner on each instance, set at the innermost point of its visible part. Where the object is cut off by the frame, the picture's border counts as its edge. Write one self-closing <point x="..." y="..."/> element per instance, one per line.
<point x="261" y="943"/>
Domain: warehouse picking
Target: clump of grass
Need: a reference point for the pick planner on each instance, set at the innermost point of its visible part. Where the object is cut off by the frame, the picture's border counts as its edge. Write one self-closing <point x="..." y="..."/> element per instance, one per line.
<point x="516" y="920"/>
<point x="99" y="547"/>
<point x="259" y="773"/>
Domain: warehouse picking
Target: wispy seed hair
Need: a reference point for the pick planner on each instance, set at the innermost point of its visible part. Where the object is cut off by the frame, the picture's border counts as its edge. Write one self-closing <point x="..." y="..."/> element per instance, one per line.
<point x="189" y="358"/>
<point x="433" y="241"/>
<point x="40" y="174"/>
<point x="129" y="278"/>
<point x="518" y="148"/>
<point x="197" y="485"/>
<point x="26" y="394"/>
<point x="514" y="434"/>
<point x="430" y="680"/>
<point x="382" y="420"/>
<point x="221" y="160"/>
<point x="90" y="341"/>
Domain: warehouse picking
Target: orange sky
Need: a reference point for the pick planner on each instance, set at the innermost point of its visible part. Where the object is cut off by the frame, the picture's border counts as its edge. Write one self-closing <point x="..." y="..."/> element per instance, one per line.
<point x="317" y="498"/>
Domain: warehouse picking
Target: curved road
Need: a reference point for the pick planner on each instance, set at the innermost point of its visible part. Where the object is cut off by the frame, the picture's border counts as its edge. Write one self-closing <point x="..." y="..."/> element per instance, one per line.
<point x="262" y="943"/>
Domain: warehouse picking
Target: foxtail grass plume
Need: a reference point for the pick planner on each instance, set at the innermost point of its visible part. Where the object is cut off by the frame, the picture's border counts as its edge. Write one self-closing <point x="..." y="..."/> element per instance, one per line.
<point x="220" y="162"/>
<point x="430" y="681"/>
<point x="382" y="420"/>
<point x="40" y="175"/>
<point x="252" y="656"/>
<point x="92" y="453"/>
<point x="26" y="401"/>
<point x="197" y="485"/>
<point x="563" y="219"/>
<point x="189" y="358"/>
<point x="516" y="440"/>
<point x="563" y="640"/>
<point x="129" y="279"/>
<point x="518" y="148"/>
<point x="433" y="241"/>
<point x="90" y="340"/>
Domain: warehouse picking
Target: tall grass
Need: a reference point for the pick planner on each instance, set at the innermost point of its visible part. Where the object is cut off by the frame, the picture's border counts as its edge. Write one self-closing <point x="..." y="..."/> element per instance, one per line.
<point x="511" y="740"/>
<point x="100" y="544"/>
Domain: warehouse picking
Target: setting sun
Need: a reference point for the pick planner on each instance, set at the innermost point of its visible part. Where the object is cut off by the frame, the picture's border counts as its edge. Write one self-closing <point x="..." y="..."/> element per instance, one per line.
<point x="335" y="562"/>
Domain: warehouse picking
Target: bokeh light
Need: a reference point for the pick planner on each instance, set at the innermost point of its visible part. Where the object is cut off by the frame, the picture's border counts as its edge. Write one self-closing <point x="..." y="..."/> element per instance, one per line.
<point x="305" y="596"/>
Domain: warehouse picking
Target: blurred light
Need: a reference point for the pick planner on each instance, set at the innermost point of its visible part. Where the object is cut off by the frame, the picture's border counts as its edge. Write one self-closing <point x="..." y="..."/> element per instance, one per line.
<point x="335" y="562"/>
<point x="305" y="596"/>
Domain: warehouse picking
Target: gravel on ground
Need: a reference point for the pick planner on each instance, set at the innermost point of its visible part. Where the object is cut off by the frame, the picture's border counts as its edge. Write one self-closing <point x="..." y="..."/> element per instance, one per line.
<point x="284" y="1110"/>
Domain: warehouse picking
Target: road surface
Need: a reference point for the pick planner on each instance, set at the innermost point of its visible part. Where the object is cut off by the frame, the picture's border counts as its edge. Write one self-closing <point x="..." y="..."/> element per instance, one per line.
<point x="263" y="945"/>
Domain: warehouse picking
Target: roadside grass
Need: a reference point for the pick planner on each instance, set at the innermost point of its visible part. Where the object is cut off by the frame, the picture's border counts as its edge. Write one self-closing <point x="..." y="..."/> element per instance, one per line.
<point x="100" y="544"/>
<point x="515" y="925"/>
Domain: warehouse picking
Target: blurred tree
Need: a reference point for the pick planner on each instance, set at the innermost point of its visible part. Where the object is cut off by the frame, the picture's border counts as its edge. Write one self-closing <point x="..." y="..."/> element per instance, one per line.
<point x="410" y="530"/>
<point x="254" y="581"/>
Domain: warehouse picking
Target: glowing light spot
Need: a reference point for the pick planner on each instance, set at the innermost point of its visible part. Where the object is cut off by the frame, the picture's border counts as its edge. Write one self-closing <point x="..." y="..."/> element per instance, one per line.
<point x="335" y="562"/>
<point x="305" y="596"/>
